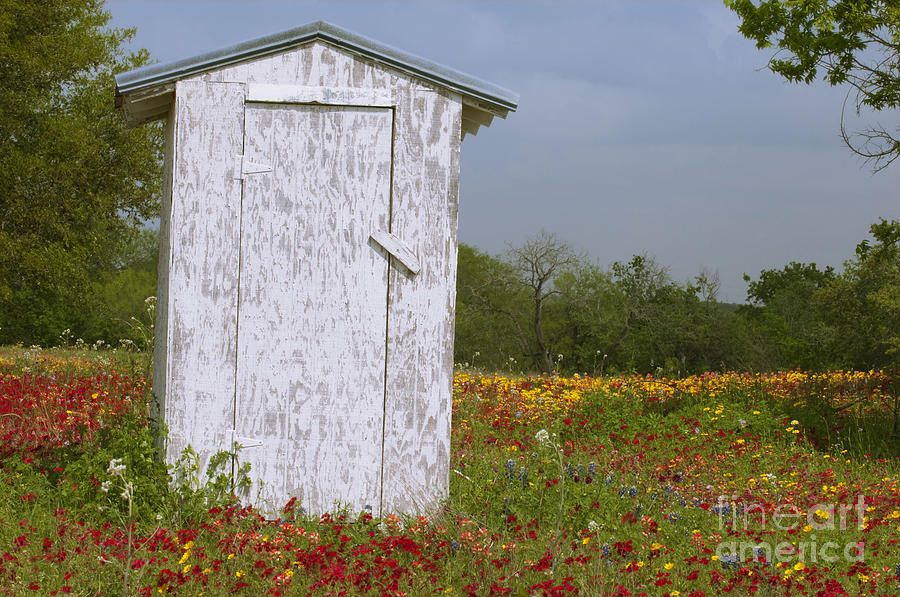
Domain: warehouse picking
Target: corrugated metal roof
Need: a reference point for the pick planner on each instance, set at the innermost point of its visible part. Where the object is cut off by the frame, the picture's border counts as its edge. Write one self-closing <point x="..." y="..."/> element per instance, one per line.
<point x="161" y="74"/>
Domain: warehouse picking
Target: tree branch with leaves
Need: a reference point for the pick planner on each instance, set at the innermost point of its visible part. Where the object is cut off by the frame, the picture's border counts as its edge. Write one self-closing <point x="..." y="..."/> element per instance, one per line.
<point x="856" y="44"/>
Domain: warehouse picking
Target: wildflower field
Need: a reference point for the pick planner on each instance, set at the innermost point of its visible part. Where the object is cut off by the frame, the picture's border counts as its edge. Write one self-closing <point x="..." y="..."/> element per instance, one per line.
<point x="778" y="484"/>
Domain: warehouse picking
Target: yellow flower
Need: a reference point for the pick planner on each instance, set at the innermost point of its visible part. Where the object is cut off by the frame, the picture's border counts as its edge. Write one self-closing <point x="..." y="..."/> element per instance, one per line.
<point x="239" y="573"/>
<point x="184" y="557"/>
<point x="799" y="566"/>
<point x="655" y="546"/>
<point x="231" y="555"/>
<point x="586" y="540"/>
<point x="669" y="566"/>
<point x="187" y="567"/>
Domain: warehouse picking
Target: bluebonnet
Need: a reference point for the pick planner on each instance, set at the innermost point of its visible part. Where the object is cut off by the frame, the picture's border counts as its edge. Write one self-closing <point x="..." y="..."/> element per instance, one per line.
<point x="632" y="492"/>
<point x="455" y="545"/>
<point x="510" y="466"/>
<point x="591" y="469"/>
<point x="730" y="561"/>
<point x="523" y="477"/>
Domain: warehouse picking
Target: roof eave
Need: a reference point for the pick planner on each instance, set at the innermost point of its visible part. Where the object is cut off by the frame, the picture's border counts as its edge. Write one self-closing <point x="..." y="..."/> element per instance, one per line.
<point x="477" y="92"/>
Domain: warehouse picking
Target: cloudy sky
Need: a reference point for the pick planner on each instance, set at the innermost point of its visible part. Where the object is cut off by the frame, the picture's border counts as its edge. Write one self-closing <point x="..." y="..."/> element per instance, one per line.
<point x="642" y="126"/>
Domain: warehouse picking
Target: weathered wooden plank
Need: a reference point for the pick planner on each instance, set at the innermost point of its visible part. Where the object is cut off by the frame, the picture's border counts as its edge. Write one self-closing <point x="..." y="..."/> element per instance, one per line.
<point x="312" y="313"/>
<point x="204" y="230"/>
<point x="304" y="94"/>
<point x="420" y="340"/>
<point x="398" y="249"/>
<point x="161" y="368"/>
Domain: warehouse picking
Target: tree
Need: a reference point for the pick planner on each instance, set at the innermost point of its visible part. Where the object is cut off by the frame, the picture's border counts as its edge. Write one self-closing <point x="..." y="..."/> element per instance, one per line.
<point x="489" y="307"/>
<point x="854" y="43"/>
<point x="642" y="282"/>
<point x="593" y="307"/>
<point x="514" y="295"/>
<point x="74" y="182"/>
<point x="863" y="303"/>
<point x="538" y="263"/>
<point x="782" y="306"/>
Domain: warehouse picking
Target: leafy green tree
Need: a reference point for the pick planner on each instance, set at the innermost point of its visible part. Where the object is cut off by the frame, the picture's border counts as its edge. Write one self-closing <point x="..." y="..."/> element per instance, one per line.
<point x="863" y="303"/>
<point x="489" y="307"/>
<point x="593" y="307"/>
<point x="854" y="43"/>
<point x="120" y="293"/>
<point x="782" y="306"/>
<point x="75" y="182"/>
<point x="668" y="326"/>
<point x="643" y="284"/>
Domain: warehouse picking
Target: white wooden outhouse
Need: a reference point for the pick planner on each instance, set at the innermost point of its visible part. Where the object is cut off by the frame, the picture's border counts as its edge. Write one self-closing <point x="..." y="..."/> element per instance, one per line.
<point x="308" y="262"/>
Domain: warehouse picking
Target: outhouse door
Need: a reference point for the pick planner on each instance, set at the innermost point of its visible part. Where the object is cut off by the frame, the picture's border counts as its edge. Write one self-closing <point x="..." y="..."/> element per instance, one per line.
<point x="313" y="298"/>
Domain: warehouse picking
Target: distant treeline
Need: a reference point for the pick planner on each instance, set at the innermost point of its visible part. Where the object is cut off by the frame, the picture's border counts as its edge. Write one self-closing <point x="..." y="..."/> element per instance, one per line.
<point x="542" y="307"/>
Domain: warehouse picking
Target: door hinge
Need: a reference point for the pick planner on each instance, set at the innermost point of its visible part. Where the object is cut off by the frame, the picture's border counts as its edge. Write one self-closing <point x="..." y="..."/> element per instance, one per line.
<point x="242" y="442"/>
<point x="246" y="167"/>
<point x="398" y="249"/>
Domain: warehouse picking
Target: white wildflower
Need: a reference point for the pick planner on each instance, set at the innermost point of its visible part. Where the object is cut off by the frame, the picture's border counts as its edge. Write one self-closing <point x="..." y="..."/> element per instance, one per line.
<point x="116" y="467"/>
